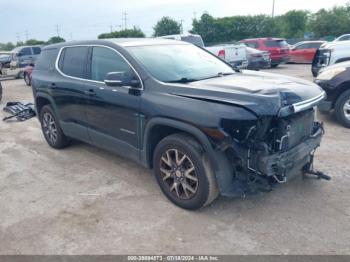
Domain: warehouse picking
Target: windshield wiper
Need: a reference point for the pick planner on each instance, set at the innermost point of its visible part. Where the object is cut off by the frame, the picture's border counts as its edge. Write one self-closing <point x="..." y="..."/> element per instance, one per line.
<point x="183" y="80"/>
<point x="220" y="74"/>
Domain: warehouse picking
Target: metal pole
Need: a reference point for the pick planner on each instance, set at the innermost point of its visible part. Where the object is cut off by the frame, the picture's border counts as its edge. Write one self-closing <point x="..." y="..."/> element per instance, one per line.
<point x="273" y="8"/>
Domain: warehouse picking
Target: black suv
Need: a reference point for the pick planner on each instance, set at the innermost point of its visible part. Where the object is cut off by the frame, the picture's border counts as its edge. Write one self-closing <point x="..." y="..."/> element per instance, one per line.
<point x="202" y="126"/>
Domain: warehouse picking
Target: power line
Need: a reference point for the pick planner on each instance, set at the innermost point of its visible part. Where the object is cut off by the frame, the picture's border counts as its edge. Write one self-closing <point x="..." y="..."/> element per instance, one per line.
<point x="125" y="19"/>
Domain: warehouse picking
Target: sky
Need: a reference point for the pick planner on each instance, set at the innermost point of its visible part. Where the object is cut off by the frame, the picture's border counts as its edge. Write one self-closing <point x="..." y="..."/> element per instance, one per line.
<point x="85" y="19"/>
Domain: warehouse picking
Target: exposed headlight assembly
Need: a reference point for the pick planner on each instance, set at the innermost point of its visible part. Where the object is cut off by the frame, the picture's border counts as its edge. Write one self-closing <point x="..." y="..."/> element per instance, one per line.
<point x="328" y="74"/>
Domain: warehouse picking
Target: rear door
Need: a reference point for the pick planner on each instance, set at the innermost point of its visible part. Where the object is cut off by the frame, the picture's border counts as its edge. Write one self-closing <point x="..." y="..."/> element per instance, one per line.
<point x="25" y="56"/>
<point x="68" y="90"/>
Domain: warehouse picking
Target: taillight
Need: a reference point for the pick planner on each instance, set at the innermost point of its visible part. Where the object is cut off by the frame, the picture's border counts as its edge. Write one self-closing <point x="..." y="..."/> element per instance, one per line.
<point x="222" y="54"/>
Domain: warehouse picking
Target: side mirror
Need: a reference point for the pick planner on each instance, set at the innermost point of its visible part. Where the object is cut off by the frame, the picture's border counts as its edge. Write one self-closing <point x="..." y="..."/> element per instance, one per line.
<point x="121" y="79"/>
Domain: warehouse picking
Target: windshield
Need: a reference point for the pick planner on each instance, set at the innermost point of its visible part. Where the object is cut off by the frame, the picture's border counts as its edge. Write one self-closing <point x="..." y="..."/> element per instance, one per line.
<point x="179" y="63"/>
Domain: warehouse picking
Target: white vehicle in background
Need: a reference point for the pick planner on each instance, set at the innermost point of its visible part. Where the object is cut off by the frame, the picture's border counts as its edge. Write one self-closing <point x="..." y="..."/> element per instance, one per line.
<point x="236" y="55"/>
<point x="330" y="54"/>
<point x="189" y="38"/>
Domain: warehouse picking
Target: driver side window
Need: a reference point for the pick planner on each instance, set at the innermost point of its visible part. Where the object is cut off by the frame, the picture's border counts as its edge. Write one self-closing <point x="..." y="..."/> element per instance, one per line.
<point x="104" y="61"/>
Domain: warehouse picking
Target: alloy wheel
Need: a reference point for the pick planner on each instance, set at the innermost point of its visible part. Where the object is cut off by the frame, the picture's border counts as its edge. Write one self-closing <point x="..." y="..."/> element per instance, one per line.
<point x="346" y="109"/>
<point x="179" y="174"/>
<point x="50" y="128"/>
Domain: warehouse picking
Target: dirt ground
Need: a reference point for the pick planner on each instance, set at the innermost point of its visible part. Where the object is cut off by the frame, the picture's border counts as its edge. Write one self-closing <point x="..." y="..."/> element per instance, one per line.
<point x="84" y="200"/>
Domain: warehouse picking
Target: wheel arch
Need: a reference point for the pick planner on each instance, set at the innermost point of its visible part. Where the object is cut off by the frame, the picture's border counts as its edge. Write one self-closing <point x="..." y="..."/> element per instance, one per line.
<point x="41" y="100"/>
<point x="158" y="128"/>
<point x="343" y="87"/>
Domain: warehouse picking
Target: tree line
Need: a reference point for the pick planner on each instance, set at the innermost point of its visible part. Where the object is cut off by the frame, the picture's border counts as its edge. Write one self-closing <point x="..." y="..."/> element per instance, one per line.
<point x="293" y="24"/>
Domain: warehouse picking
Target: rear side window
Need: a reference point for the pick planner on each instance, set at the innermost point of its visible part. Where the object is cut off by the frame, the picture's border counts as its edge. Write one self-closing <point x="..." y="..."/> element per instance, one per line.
<point x="46" y="59"/>
<point x="73" y="61"/>
<point x="196" y="40"/>
<point x="314" y="45"/>
<point x="276" y="43"/>
<point x="26" y="51"/>
<point x="36" y="50"/>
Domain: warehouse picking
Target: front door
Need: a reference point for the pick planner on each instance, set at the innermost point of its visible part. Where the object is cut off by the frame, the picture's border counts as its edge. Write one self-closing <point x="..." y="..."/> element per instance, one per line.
<point x="112" y="112"/>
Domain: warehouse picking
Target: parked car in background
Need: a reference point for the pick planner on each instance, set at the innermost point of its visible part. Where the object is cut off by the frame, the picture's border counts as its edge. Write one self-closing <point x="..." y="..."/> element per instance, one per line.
<point x="335" y="80"/>
<point x="5" y="59"/>
<point x="258" y="59"/>
<point x="189" y="38"/>
<point x="304" y="52"/>
<point x="236" y="55"/>
<point x="204" y="128"/>
<point x="277" y="47"/>
<point x="330" y="54"/>
<point x="23" y="56"/>
<point x="27" y="74"/>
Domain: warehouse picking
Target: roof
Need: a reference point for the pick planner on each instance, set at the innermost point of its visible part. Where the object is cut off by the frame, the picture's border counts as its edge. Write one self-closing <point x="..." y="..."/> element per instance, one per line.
<point x="124" y="42"/>
<point x="264" y="38"/>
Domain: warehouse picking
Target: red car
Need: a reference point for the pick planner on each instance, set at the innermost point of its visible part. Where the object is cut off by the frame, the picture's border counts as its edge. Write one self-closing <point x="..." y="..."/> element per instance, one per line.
<point x="27" y="75"/>
<point x="277" y="47"/>
<point x="304" y="52"/>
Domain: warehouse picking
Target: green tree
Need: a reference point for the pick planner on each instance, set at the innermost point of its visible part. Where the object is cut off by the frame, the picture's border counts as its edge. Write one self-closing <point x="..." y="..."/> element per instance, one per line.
<point x="128" y="33"/>
<point x="166" y="26"/>
<point x="55" y="40"/>
<point x="335" y="21"/>
<point x="294" y="23"/>
<point x="34" y="42"/>
<point x="7" y="46"/>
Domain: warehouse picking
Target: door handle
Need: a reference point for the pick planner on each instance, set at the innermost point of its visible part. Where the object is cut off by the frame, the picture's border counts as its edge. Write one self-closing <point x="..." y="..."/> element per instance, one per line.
<point x="90" y="92"/>
<point x="52" y="86"/>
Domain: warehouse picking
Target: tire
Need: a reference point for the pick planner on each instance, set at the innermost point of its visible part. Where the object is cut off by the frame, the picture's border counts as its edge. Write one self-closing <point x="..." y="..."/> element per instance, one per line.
<point x="274" y="65"/>
<point x="0" y="92"/>
<point x="171" y="173"/>
<point x="342" y="105"/>
<point x="51" y="129"/>
<point x="27" y="79"/>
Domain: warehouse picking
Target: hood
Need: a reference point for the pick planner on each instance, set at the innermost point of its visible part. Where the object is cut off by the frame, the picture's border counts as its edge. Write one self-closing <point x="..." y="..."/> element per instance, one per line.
<point x="264" y="94"/>
<point x="331" y="45"/>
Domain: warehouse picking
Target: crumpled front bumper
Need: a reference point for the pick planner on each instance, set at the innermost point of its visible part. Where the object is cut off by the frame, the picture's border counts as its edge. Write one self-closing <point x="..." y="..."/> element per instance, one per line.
<point x="291" y="162"/>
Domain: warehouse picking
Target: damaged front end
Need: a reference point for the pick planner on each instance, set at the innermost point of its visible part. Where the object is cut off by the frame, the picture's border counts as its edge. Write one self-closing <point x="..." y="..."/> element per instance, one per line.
<point x="271" y="150"/>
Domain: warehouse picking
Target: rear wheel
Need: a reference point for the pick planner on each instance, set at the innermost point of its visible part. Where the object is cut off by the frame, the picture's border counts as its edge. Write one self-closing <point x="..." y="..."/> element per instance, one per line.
<point x="342" y="109"/>
<point x="274" y="65"/>
<point x="183" y="172"/>
<point x="51" y="129"/>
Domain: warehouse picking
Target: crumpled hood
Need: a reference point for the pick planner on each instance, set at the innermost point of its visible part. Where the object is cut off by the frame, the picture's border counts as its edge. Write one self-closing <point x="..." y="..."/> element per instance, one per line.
<point x="262" y="93"/>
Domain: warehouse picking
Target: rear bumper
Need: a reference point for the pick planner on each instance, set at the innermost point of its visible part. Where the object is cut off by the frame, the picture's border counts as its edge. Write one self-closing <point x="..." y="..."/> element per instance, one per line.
<point x="240" y="64"/>
<point x="280" y="59"/>
<point x="258" y="64"/>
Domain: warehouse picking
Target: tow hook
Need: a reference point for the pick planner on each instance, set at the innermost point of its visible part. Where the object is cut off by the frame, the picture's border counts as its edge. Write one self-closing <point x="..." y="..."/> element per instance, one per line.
<point x="318" y="174"/>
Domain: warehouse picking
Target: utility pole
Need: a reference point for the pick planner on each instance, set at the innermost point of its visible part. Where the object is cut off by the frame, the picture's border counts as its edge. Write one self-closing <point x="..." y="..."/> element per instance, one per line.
<point x="181" y="26"/>
<point x="125" y="19"/>
<point x="58" y="30"/>
<point x="111" y="27"/>
<point x="26" y="34"/>
<point x="273" y="8"/>
<point x="18" y="38"/>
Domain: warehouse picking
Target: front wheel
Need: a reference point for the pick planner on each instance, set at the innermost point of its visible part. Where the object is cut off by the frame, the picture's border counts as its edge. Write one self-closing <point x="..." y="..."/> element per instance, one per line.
<point x="342" y="109"/>
<point x="183" y="172"/>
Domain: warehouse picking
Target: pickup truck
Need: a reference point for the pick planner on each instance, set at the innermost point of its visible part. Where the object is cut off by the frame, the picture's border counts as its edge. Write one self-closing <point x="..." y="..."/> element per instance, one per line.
<point x="330" y="54"/>
<point x="235" y="55"/>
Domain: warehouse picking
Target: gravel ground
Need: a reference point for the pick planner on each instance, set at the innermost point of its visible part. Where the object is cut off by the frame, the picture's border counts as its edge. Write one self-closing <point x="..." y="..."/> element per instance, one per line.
<point x="83" y="200"/>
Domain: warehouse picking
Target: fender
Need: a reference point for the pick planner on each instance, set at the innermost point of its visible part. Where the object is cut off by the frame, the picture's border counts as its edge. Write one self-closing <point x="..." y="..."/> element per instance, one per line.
<point x="220" y="163"/>
<point x="199" y="135"/>
<point x="48" y="97"/>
